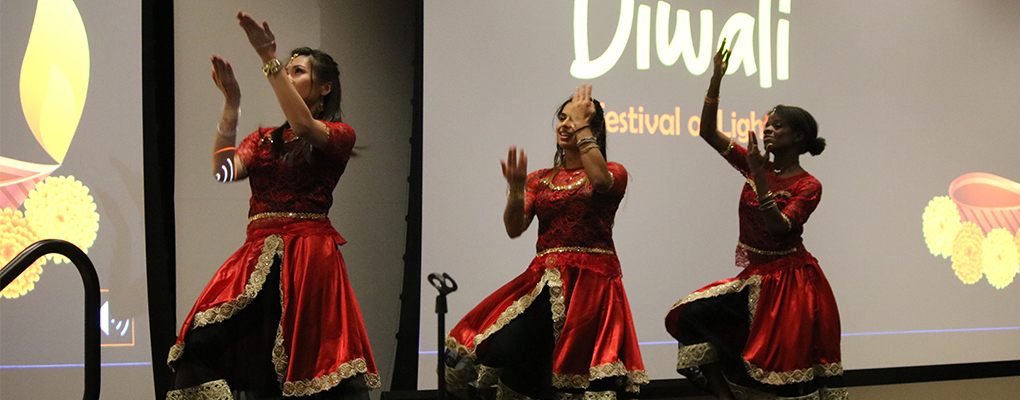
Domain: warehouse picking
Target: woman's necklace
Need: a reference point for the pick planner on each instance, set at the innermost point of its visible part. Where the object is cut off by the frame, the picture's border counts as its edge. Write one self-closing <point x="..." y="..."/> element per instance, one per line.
<point x="570" y="185"/>
<point x="778" y="170"/>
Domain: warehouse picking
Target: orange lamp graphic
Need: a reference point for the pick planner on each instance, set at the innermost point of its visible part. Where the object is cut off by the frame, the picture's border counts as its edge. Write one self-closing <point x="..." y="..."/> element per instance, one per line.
<point x="978" y="227"/>
<point x="33" y="204"/>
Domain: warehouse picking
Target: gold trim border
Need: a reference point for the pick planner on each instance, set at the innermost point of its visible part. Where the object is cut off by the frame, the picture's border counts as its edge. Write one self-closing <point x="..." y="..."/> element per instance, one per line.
<point x="271" y="247"/>
<point x="284" y="214"/>
<point x="574" y="249"/>
<point x="551" y="277"/>
<point x="794" y="376"/>
<point x="280" y="358"/>
<point x="345" y="371"/>
<point x="769" y="252"/>
<point x="176" y="351"/>
<point x="603" y="395"/>
<point x="212" y="390"/>
<point x="635" y="378"/>
<point x="753" y="281"/>
<point x="696" y="354"/>
<point x="768" y="377"/>
<point x="778" y="193"/>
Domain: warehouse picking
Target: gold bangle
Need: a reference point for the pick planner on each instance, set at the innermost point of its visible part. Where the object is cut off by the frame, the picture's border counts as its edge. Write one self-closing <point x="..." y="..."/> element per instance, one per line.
<point x="586" y="140"/>
<point x="767" y="204"/>
<point x="726" y="152"/>
<point x="709" y="100"/>
<point x="226" y="134"/>
<point x="271" y="67"/>
<point x="589" y="147"/>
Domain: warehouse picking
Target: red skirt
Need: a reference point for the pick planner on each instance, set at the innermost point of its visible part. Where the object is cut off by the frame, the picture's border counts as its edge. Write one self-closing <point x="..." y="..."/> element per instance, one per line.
<point x="321" y="338"/>
<point x="592" y="323"/>
<point x="793" y="323"/>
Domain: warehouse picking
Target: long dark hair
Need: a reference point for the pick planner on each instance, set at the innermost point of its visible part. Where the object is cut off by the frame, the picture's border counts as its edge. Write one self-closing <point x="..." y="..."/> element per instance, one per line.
<point x="324" y="69"/>
<point x="598" y="130"/>
<point x="799" y="120"/>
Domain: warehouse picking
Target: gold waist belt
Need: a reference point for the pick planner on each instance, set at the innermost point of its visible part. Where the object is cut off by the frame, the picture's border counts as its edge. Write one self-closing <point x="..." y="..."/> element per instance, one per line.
<point x="574" y="249"/>
<point x="286" y="215"/>
<point x="768" y="252"/>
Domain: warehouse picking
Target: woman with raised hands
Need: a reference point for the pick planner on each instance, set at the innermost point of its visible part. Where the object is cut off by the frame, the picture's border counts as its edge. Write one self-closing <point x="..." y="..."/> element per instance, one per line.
<point x="773" y="330"/>
<point x="563" y="328"/>
<point x="279" y="318"/>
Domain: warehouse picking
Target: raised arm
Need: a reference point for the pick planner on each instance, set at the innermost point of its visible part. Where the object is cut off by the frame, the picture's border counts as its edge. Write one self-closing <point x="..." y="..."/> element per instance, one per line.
<point x="580" y="110"/>
<point x="515" y="170"/>
<point x="712" y="136"/>
<point x="227" y="166"/>
<point x="293" y="105"/>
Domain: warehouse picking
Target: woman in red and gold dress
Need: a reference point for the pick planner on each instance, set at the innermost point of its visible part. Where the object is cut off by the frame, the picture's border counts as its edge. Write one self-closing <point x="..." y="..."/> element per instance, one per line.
<point x="773" y="330"/>
<point x="563" y="328"/>
<point x="279" y="318"/>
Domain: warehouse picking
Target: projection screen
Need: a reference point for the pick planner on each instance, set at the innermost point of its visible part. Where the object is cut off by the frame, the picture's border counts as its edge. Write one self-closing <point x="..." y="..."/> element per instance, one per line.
<point x="917" y="228"/>
<point x="71" y="168"/>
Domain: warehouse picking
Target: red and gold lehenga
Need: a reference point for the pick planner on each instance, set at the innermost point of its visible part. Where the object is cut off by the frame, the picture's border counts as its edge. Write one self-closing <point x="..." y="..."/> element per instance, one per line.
<point x="775" y="326"/>
<point x="573" y="285"/>
<point x="316" y="336"/>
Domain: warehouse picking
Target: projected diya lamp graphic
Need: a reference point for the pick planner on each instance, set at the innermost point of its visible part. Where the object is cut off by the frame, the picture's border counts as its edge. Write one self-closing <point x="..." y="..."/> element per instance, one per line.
<point x="18" y="178"/>
<point x="978" y="227"/>
<point x="33" y="204"/>
<point x="987" y="200"/>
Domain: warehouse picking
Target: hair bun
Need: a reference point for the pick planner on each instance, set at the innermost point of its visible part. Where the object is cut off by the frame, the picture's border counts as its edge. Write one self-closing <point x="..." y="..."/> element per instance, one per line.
<point x="816" y="146"/>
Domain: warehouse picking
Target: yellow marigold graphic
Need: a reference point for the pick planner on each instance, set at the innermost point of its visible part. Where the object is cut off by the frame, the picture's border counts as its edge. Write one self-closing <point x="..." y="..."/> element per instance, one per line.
<point x="1017" y="241"/>
<point x="999" y="257"/>
<point x="941" y="222"/>
<point x="15" y="235"/>
<point x="61" y="208"/>
<point x="967" y="253"/>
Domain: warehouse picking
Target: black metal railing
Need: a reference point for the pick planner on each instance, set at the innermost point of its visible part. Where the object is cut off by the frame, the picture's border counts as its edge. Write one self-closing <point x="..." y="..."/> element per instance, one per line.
<point x="91" y="282"/>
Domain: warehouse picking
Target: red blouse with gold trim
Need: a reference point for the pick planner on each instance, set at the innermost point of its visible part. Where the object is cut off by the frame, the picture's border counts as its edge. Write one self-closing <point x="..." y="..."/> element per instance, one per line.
<point x="794" y="326"/>
<point x="577" y="260"/>
<point x="321" y="338"/>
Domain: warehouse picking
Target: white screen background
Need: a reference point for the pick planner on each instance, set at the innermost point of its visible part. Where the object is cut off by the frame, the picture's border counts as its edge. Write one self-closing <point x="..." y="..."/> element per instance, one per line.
<point x="909" y="95"/>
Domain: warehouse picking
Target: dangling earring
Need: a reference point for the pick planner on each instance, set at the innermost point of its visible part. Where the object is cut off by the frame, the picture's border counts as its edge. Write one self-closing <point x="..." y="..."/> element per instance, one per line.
<point x="318" y="107"/>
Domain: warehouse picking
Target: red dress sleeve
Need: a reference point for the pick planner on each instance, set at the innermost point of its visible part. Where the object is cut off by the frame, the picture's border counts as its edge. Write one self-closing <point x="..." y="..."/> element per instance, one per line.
<point x="619" y="179"/>
<point x="340" y="141"/>
<point x="532" y="186"/>
<point x="804" y="197"/>
<point x="246" y="150"/>
<point x="736" y="155"/>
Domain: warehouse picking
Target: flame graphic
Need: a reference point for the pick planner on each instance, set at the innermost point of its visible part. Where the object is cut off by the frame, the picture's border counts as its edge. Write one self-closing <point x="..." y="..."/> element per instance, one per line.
<point x="54" y="82"/>
<point x="55" y="75"/>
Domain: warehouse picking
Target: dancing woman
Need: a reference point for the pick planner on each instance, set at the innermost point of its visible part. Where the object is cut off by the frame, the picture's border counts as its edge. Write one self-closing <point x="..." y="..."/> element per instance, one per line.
<point x="773" y="330"/>
<point x="279" y="318"/>
<point x="563" y="328"/>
